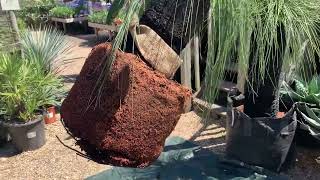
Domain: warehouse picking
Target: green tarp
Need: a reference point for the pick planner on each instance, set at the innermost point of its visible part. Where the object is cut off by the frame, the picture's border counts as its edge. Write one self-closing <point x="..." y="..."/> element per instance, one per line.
<point x="184" y="160"/>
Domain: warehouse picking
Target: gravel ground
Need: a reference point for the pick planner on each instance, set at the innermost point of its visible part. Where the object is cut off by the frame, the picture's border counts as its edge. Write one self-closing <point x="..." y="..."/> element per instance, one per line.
<point x="52" y="161"/>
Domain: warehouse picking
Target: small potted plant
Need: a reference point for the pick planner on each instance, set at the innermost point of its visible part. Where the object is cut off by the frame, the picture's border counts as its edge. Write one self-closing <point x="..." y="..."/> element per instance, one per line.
<point x="24" y="89"/>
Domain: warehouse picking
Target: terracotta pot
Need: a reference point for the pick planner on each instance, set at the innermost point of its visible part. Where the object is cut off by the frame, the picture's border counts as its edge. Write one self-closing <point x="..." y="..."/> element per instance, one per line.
<point x="50" y="115"/>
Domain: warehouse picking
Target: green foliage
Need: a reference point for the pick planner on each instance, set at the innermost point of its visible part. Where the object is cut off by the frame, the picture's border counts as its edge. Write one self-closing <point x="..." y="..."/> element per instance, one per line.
<point x="99" y="17"/>
<point x="116" y="7"/>
<point x="35" y="12"/>
<point x="46" y="47"/>
<point x="237" y="22"/>
<point x="24" y="88"/>
<point x="306" y="92"/>
<point x="62" y="12"/>
<point x="310" y="119"/>
<point x="27" y="84"/>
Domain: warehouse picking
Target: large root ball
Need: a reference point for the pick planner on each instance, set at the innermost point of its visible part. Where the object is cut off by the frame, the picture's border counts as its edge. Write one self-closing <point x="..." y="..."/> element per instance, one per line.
<point x="137" y="110"/>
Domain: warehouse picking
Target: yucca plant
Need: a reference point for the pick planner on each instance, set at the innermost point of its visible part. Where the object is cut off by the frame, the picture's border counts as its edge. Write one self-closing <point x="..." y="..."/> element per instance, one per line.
<point x="24" y="89"/>
<point x="46" y="47"/>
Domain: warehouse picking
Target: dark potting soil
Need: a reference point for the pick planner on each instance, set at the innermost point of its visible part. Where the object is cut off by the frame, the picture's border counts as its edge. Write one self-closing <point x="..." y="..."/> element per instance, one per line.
<point x="137" y="111"/>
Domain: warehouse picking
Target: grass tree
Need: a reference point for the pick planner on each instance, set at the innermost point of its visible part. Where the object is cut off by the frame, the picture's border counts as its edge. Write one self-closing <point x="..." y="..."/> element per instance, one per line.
<point x="265" y="34"/>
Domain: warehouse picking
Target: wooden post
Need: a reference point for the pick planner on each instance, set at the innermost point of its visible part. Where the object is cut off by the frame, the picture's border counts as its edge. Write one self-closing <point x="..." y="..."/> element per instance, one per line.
<point x="196" y="62"/>
<point x="64" y="27"/>
<point x="186" y="66"/>
<point x="96" y="31"/>
<point x="14" y="25"/>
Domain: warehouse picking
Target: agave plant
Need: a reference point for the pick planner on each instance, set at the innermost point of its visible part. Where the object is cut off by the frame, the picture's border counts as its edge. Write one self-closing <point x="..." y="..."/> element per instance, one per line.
<point x="24" y="88"/>
<point x="307" y="92"/>
<point x="47" y="47"/>
<point x="307" y="95"/>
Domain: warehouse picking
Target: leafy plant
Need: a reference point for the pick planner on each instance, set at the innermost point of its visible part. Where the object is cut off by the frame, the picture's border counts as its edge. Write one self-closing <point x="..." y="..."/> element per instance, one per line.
<point x="35" y="12"/>
<point x="46" y="47"/>
<point x="307" y="92"/>
<point x="99" y="17"/>
<point x="311" y="119"/>
<point x="24" y="88"/>
<point x="307" y="95"/>
<point x="62" y="12"/>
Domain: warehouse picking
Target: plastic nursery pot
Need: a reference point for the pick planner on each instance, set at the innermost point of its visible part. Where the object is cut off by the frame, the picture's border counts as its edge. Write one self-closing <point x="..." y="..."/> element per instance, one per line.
<point x="49" y="115"/>
<point x="27" y="136"/>
<point x="4" y="138"/>
<point x="265" y="141"/>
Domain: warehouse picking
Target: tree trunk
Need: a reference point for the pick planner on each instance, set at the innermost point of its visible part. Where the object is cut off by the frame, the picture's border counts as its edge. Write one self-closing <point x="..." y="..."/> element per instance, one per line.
<point x="262" y="96"/>
<point x="171" y="19"/>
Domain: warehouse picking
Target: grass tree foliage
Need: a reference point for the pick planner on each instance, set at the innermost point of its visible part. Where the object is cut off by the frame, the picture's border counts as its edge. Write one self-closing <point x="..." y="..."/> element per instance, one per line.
<point x="265" y="34"/>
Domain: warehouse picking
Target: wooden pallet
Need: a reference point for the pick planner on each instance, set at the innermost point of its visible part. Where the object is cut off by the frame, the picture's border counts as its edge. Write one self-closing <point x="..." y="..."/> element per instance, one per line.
<point x="68" y="21"/>
<point x="98" y="27"/>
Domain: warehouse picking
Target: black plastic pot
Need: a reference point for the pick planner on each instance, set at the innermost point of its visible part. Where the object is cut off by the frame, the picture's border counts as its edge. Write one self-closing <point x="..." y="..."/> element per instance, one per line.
<point x="3" y="134"/>
<point x="27" y="136"/>
<point x="263" y="141"/>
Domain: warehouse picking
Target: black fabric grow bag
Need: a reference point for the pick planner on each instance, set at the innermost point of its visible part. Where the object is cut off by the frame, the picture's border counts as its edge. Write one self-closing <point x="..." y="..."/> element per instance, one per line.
<point x="263" y="141"/>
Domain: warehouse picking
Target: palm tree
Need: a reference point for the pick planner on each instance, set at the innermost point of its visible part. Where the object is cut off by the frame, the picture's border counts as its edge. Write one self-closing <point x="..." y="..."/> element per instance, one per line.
<point x="266" y="34"/>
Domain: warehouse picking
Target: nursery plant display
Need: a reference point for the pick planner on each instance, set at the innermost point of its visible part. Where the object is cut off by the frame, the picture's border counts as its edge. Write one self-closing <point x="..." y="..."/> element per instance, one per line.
<point x="24" y="90"/>
<point x="62" y="12"/>
<point x="34" y="13"/>
<point x="48" y="49"/>
<point x="99" y="17"/>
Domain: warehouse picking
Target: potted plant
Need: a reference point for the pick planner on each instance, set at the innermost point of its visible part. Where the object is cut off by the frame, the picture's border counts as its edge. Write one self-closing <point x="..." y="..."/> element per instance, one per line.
<point x="307" y="95"/>
<point x="24" y="89"/>
<point x="62" y="12"/>
<point x="49" y="49"/>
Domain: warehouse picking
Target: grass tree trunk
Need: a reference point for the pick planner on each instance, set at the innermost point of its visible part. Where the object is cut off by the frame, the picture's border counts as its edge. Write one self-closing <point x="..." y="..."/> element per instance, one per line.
<point x="176" y="20"/>
<point x="262" y="96"/>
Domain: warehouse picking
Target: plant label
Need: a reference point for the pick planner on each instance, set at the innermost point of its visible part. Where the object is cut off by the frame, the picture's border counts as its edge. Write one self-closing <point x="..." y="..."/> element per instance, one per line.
<point x="31" y="135"/>
<point x="9" y="5"/>
<point x="49" y="115"/>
